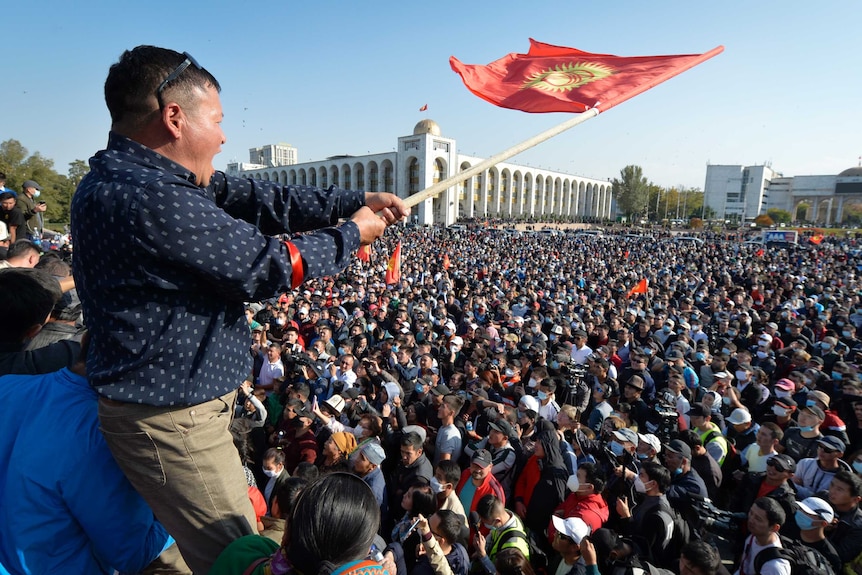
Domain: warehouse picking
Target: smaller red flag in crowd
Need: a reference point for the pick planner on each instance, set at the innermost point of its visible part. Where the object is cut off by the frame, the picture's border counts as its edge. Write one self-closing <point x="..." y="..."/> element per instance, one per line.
<point x="640" y="287"/>
<point x="816" y="239"/>
<point x="759" y="253"/>
<point x="423" y="108"/>
<point x="364" y="253"/>
<point x="393" y="268"/>
<point x="446" y="262"/>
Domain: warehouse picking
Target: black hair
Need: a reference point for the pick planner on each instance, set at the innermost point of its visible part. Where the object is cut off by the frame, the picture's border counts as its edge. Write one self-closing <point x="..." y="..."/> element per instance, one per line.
<point x="489" y="506"/>
<point x="52" y="263"/>
<point x="20" y="248"/>
<point x="451" y="524"/>
<point x="132" y="83"/>
<point x="424" y="499"/>
<point x="29" y="296"/>
<point x="334" y="522"/>
<point x="593" y="474"/>
<point x="658" y="473"/>
<point x="853" y="481"/>
<point x="287" y="494"/>
<point x="451" y="471"/>
<point x="549" y="383"/>
<point x="411" y="439"/>
<point x="703" y="556"/>
<point x="306" y="470"/>
<point x="277" y="455"/>
<point x="6" y="196"/>
<point x="691" y="438"/>
<point x="775" y="514"/>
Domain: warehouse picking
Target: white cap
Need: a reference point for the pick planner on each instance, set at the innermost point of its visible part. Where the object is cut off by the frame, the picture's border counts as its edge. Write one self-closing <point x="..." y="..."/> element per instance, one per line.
<point x="651" y="440"/>
<point x="530" y="403"/>
<point x="817" y="507"/>
<point x="739" y="415"/>
<point x="573" y="527"/>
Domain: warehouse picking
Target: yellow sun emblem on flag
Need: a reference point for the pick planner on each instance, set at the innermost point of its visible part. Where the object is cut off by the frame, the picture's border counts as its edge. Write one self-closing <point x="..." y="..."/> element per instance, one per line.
<point x="565" y="77"/>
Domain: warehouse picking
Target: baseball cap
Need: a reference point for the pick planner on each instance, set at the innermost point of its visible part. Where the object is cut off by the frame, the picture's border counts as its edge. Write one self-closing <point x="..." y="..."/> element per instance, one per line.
<point x="626" y="434"/>
<point x="721" y="375"/>
<point x="831" y="443"/>
<point x="680" y="447"/>
<point x="738" y="416"/>
<point x="503" y="427"/>
<point x="574" y="528"/>
<point x="440" y="389"/>
<point x="785" y="384"/>
<point x="698" y="410"/>
<point x="816" y="411"/>
<point x="30" y="184"/>
<point x="651" y="440"/>
<point x="818" y="507"/>
<point x="418" y="430"/>
<point x="482" y="457"/>
<point x="782" y="462"/>
<point x="530" y="403"/>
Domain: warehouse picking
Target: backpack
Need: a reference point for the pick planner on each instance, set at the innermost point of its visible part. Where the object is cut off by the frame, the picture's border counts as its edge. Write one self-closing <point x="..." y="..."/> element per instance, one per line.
<point x="804" y="560"/>
<point x="538" y="557"/>
<point x="680" y="534"/>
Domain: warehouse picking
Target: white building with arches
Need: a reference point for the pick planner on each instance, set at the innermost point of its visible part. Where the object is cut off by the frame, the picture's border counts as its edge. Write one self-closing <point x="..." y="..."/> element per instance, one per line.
<point x="426" y="157"/>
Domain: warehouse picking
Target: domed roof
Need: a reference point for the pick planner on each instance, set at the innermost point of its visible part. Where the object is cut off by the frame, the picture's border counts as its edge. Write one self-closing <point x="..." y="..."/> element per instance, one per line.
<point x="427" y="127"/>
<point x="853" y="172"/>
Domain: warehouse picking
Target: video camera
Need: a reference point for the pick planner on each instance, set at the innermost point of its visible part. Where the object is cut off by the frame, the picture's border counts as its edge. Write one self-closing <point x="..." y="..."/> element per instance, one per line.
<point x="707" y="516"/>
<point x="294" y="361"/>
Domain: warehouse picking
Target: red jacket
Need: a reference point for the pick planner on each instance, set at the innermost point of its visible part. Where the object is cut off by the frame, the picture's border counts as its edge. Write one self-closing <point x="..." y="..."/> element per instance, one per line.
<point x="527" y="480"/>
<point x="592" y="508"/>
<point x="489" y="486"/>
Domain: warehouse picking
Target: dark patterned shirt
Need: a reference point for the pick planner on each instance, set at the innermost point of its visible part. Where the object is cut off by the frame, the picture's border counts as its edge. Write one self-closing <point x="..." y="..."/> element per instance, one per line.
<point x="163" y="266"/>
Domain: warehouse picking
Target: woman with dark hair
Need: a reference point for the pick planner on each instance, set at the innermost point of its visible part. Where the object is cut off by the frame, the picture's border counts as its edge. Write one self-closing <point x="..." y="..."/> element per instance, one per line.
<point x="418" y="500"/>
<point x="329" y="532"/>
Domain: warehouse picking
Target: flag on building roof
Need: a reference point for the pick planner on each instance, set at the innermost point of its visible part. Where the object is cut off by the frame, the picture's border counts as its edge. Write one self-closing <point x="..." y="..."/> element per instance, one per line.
<point x="423" y="108"/>
<point x="393" y="268"/>
<point x="364" y="253"/>
<point x="552" y="78"/>
<point x="640" y="287"/>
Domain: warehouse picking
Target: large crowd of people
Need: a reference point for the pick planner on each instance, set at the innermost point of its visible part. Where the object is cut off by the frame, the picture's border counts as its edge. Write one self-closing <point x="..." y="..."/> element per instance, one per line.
<point x="257" y="399"/>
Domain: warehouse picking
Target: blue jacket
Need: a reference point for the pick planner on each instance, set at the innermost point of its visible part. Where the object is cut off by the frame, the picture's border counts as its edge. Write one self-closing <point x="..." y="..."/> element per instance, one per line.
<point x="65" y="506"/>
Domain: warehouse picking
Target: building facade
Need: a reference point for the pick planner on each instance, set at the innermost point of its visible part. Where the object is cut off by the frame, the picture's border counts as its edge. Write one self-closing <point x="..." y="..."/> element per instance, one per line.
<point x="741" y="193"/>
<point x="273" y="155"/>
<point x="426" y="157"/>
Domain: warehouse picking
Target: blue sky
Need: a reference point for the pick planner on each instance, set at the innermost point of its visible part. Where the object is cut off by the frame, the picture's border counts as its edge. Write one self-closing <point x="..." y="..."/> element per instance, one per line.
<point x="349" y="77"/>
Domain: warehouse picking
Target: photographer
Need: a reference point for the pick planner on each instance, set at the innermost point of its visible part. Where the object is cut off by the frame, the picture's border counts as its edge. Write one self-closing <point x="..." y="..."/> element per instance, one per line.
<point x="248" y="406"/>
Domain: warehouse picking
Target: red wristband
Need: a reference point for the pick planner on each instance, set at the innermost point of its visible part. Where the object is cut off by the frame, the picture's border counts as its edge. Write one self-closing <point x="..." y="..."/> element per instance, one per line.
<point x="297" y="275"/>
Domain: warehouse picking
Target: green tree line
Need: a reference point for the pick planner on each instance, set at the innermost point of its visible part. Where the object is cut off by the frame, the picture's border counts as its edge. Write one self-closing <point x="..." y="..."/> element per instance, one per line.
<point x="57" y="189"/>
<point x="638" y="198"/>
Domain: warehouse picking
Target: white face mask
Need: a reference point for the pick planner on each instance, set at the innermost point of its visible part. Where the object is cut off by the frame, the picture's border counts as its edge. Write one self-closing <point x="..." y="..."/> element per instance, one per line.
<point x="762" y="354"/>
<point x="436" y="486"/>
<point x="640" y="486"/>
<point x="741" y="375"/>
<point x="780" y="411"/>
<point x="270" y="473"/>
<point x="782" y="393"/>
<point x="533" y="383"/>
<point x="573" y="484"/>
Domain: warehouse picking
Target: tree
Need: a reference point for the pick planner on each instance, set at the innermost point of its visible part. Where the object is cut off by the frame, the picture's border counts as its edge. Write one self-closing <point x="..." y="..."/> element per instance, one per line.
<point x="631" y="191"/>
<point x="779" y="216"/>
<point x="763" y="221"/>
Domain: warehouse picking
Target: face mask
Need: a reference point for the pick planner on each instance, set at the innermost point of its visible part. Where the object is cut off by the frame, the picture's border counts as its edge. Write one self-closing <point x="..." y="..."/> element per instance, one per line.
<point x="489" y="526"/>
<point x="552" y="337"/>
<point x="573" y="484"/>
<point x="857" y="466"/>
<point x="678" y="471"/>
<point x="695" y="328"/>
<point x="542" y="396"/>
<point x="456" y="348"/>
<point x="280" y="321"/>
<point x="741" y="375"/>
<point x="825" y="346"/>
<point x="762" y="354"/>
<point x="665" y="329"/>
<point x="533" y="382"/>
<point x="647" y="351"/>
<point x="643" y="457"/>
<point x="780" y="411"/>
<point x="699" y="356"/>
<point x="803" y="521"/>
<point x="845" y="333"/>
<point x="639" y="485"/>
<point x="37" y="193"/>
<point x="806" y="380"/>
<point x="810" y="403"/>
<point x="436" y="486"/>
<point x="617" y="448"/>
<point x="725" y="351"/>
<point x="806" y="429"/>
<point x="270" y="473"/>
<point x="725" y="400"/>
<point x="839" y="323"/>
<point x="782" y="393"/>
<point x="731" y="332"/>
<point x="836" y="376"/>
<point x="554" y="364"/>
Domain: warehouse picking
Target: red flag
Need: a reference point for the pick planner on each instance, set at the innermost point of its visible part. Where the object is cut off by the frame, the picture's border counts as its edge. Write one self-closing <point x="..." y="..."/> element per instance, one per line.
<point x="446" y="262"/>
<point x="364" y="253"/>
<point x="393" y="268"/>
<point x="423" y="108"/>
<point x="816" y="239"/>
<point x="640" y="287"/>
<point x="627" y="255"/>
<point x="558" y="79"/>
<point x="759" y="253"/>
